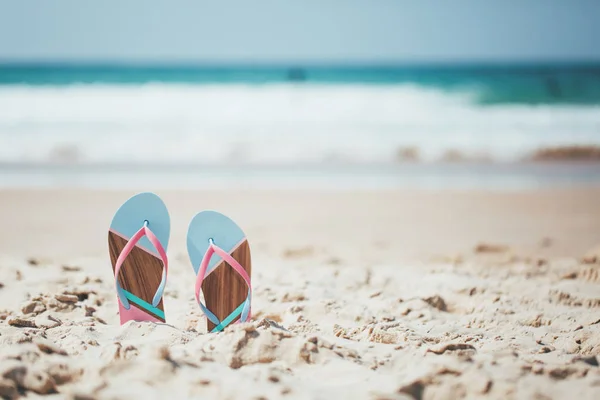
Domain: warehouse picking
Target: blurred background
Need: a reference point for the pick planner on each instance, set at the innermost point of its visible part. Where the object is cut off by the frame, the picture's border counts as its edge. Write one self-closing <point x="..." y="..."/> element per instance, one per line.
<point x="194" y="94"/>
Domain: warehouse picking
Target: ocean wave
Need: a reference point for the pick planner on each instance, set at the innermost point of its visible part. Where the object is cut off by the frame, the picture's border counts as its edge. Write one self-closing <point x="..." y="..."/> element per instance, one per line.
<point x="275" y="124"/>
<point x="519" y="83"/>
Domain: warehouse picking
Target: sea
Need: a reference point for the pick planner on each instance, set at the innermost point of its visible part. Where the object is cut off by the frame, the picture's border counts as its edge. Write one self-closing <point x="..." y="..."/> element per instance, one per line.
<point x="354" y="126"/>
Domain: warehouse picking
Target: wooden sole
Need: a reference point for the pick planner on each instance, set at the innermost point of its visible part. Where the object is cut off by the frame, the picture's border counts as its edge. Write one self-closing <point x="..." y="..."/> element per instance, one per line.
<point x="140" y="274"/>
<point x="224" y="289"/>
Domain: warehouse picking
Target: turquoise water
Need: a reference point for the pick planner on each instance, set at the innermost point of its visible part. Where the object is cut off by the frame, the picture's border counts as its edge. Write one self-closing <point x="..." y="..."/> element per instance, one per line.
<point x="577" y="84"/>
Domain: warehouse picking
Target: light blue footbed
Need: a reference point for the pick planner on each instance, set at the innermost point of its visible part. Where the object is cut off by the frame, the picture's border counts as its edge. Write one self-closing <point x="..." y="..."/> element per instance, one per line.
<point x="129" y="218"/>
<point x="211" y="225"/>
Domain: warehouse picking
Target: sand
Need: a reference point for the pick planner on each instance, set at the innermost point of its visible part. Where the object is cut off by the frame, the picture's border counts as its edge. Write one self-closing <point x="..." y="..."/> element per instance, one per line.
<point x="357" y="295"/>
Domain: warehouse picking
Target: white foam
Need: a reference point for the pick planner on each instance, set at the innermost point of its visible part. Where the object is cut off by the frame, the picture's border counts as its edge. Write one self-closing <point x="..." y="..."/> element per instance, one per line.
<point x="272" y="124"/>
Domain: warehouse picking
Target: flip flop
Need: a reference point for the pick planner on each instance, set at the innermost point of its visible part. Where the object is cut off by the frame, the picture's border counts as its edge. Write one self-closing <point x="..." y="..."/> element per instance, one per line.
<point x="137" y="241"/>
<point x="220" y="256"/>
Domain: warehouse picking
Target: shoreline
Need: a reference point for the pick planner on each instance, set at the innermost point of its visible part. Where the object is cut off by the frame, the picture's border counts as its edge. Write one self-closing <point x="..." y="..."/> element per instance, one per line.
<point x="326" y="176"/>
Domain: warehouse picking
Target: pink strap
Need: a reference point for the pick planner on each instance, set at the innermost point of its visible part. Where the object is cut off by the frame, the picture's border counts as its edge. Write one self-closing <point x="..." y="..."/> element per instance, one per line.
<point x="213" y="248"/>
<point x="144" y="231"/>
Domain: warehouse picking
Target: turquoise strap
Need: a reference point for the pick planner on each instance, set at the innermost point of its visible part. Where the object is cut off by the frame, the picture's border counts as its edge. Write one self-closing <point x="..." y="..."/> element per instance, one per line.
<point x="144" y="304"/>
<point x="228" y="320"/>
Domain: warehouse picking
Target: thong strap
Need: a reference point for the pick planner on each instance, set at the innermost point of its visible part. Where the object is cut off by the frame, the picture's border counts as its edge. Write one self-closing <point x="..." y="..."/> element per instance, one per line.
<point x="243" y="310"/>
<point x="144" y="231"/>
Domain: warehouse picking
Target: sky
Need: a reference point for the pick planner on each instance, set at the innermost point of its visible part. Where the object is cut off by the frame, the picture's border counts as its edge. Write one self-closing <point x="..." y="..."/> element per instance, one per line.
<point x="338" y="31"/>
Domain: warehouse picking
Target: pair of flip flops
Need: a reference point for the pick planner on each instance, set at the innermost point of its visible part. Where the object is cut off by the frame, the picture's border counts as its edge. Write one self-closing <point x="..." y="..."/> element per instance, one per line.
<point x="218" y="249"/>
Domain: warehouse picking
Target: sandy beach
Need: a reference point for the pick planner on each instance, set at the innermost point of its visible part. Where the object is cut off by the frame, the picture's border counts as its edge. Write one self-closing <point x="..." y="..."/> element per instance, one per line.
<point x="357" y="294"/>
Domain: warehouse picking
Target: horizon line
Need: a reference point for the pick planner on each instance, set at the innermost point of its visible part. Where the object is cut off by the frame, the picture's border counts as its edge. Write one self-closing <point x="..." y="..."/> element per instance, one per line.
<point x="98" y="62"/>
